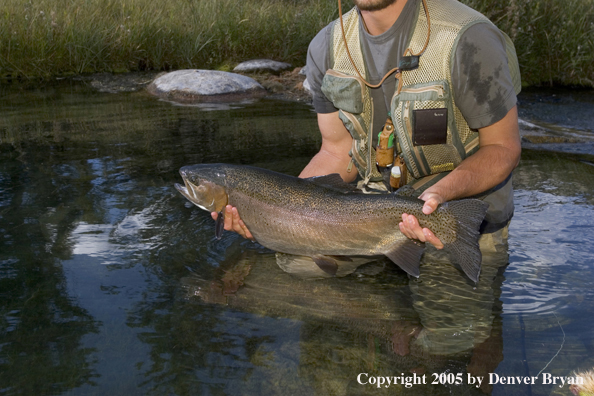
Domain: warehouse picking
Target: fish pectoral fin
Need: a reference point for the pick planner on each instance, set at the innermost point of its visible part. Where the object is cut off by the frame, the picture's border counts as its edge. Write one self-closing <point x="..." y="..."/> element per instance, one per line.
<point x="220" y="224"/>
<point x="407" y="255"/>
<point x="326" y="263"/>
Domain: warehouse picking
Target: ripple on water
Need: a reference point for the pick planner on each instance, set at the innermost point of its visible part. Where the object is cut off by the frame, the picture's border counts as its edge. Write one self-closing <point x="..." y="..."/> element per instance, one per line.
<point x="550" y="259"/>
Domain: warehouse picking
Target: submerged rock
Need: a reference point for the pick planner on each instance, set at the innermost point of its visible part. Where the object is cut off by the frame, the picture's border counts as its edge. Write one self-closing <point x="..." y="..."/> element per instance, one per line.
<point x="196" y="85"/>
<point x="118" y="83"/>
<point x="556" y="138"/>
<point x="262" y="66"/>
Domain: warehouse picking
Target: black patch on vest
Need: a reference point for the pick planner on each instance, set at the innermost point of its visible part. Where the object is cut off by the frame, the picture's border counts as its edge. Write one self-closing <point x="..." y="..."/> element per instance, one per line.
<point x="430" y="127"/>
<point x="409" y="63"/>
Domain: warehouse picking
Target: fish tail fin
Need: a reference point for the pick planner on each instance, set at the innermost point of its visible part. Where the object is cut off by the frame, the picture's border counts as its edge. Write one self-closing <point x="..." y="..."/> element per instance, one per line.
<point x="469" y="214"/>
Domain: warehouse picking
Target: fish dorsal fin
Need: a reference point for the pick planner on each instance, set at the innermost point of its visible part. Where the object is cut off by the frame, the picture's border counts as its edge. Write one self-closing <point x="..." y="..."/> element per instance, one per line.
<point x="406" y="191"/>
<point x="334" y="182"/>
<point x="406" y="254"/>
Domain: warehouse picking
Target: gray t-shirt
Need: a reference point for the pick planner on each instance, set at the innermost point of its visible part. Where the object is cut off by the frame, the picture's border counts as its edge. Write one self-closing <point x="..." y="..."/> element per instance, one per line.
<point x="481" y="81"/>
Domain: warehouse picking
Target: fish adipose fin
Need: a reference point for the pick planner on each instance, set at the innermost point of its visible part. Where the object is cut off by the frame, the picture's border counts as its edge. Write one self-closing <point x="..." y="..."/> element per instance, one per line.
<point x="326" y="263"/>
<point x="407" y="254"/>
<point x="465" y="250"/>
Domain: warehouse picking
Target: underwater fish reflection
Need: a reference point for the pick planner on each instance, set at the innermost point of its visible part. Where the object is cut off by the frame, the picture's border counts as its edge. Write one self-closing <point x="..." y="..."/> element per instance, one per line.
<point x="417" y="326"/>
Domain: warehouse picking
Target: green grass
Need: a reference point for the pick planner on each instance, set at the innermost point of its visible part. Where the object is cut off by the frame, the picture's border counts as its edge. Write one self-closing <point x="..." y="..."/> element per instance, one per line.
<point x="45" y="38"/>
<point x="48" y="38"/>
<point x="554" y="39"/>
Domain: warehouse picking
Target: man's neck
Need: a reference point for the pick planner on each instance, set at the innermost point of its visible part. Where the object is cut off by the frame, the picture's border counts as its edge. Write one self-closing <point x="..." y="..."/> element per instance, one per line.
<point x="377" y="22"/>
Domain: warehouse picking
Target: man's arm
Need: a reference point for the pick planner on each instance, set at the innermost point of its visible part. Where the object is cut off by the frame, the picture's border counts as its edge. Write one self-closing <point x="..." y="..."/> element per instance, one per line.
<point x="333" y="157"/>
<point x="498" y="155"/>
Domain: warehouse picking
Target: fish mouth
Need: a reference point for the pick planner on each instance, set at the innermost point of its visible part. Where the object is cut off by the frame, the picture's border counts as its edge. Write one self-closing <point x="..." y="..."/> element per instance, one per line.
<point x="190" y="191"/>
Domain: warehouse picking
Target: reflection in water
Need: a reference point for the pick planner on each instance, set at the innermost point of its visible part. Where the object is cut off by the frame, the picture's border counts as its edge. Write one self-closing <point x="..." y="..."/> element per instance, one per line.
<point x="111" y="283"/>
<point x="41" y="326"/>
<point x="426" y="326"/>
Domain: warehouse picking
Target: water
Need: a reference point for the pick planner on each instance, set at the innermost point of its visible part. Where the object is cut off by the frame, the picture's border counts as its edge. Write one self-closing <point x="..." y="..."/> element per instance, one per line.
<point x="112" y="283"/>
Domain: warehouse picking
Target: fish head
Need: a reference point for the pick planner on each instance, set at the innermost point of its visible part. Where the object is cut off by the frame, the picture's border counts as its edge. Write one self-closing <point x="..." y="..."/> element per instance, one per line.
<point x="204" y="186"/>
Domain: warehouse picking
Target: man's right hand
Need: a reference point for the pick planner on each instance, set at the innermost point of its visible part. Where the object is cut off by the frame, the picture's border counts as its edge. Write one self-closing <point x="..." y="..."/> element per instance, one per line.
<point x="234" y="223"/>
<point x="333" y="157"/>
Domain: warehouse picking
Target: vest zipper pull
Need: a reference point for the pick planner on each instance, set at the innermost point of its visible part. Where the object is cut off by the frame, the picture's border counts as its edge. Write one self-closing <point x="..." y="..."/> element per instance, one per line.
<point x="350" y="166"/>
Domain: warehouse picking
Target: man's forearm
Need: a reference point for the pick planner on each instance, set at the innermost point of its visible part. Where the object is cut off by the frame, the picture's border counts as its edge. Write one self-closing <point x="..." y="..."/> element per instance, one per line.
<point x="499" y="154"/>
<point x="484" y="170"/>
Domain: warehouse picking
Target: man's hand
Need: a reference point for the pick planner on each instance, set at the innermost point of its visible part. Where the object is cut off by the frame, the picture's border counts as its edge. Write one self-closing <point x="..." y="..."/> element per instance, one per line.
<point x="498" y="155"/>
<point x="234" y="223"/>
<point x="410" y="225"/>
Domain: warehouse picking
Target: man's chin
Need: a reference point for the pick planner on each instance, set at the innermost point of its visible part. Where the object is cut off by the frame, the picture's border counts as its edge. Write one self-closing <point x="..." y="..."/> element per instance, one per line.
<point x="373" y="5"/>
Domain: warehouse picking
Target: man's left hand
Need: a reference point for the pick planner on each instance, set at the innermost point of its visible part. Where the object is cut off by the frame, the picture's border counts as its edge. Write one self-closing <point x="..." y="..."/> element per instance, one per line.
<point x="410" y="226"/>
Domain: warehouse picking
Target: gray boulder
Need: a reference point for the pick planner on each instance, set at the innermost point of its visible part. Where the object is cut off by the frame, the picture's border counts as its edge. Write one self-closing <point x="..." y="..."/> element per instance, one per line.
<point x="193" y="85"/>
<point x="262" y="66"/>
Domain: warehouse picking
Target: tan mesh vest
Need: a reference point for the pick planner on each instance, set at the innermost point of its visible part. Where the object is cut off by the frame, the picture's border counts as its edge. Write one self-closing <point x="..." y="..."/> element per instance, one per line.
<point x="350" y="95"/>
<point x="423" y="88"/>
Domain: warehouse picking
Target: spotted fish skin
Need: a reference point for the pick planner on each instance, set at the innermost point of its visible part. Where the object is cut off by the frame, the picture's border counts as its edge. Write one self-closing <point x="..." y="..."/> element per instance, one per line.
<point x="324" y="217"/>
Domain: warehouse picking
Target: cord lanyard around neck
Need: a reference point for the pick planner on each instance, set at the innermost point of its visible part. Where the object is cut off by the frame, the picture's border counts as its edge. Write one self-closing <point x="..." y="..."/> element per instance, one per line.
<point x="409" y="60"/>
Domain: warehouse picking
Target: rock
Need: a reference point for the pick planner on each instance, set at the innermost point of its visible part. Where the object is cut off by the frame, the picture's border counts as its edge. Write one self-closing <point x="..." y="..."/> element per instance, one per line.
<point x="195" y="85"/>
<point x="262" y="66"/>
<point x="118" y="83"/>
<point x="555" y="138"/>
<point x="273" y="86"/>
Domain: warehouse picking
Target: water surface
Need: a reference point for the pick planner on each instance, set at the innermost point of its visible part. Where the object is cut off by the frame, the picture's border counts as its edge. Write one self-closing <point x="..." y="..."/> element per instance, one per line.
<point x="112" y="283"/>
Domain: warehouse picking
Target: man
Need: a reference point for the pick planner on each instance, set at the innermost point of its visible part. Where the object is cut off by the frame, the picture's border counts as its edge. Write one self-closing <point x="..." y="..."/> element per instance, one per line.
<point x="466" y="73"/>
<point x="481" y="89"/>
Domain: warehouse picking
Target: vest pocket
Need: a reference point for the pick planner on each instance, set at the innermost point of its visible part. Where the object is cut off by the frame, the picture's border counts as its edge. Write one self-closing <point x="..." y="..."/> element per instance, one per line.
<point x="428" y="146"/>
<point x="434" y="91"/>
<point x="346" y="92"/>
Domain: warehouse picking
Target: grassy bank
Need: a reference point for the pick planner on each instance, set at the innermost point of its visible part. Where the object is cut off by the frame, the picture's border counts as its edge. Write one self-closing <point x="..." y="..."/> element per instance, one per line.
<point x="43" y="38"/>
<point x="46" y="38"/>
<point x="554" y="38"/>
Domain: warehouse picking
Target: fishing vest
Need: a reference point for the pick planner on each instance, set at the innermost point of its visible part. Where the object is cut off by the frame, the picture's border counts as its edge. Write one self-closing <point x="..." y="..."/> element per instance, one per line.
<point x="425" y="88"/>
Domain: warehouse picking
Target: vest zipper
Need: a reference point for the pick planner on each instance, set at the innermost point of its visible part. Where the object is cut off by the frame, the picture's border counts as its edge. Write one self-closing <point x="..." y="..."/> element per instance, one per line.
<point x="435" y="88"/>
<point x="356" y="154"/>
<point x="356" y="125"/>
<point x="409" y="127"/>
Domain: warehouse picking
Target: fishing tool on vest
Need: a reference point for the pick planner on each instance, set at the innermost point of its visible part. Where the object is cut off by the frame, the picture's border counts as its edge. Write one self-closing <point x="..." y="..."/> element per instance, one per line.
<point x="392" y="168"/>
<point x="398" y="177"/>
<point x="384" y="152"/>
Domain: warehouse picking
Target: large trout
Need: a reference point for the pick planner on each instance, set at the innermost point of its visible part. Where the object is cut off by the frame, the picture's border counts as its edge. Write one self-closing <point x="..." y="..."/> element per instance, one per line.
<point x="324" y="217"/>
